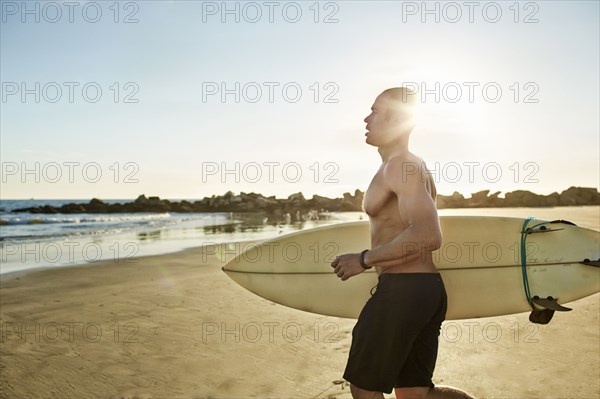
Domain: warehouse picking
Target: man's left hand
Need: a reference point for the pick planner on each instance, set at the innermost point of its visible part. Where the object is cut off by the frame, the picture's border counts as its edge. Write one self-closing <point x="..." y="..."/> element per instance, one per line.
<point x="347" y="265"/>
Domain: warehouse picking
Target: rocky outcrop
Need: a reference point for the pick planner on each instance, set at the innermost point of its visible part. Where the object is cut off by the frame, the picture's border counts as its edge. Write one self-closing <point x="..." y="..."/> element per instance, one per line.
<point x="578" y="196"/>
<point x="521" y="198"/>
<point x="299" y="206"/>
<point x="456" y="200"/>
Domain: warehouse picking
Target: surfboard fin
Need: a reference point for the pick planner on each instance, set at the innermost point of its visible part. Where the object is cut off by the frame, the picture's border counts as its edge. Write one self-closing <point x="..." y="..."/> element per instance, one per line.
<point x="549" y="305"/>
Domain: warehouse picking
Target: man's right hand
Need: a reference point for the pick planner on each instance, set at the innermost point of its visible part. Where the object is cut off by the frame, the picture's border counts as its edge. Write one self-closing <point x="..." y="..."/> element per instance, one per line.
<point x="347" y="265"/>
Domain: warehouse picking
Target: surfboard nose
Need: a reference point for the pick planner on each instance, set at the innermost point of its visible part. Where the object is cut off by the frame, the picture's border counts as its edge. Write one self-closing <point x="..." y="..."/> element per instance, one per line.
<point x="235" y="277"/>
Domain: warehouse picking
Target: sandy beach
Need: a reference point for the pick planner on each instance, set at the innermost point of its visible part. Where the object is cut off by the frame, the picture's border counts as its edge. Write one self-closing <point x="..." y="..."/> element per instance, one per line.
<point x="175" y="326"/>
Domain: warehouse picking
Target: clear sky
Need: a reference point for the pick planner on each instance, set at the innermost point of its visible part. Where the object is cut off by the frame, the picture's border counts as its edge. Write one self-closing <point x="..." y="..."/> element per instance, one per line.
<point x="185" y="99"/>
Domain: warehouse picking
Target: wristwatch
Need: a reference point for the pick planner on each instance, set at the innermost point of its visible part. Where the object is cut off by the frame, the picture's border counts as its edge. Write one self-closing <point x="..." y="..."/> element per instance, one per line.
<point x="362" y="260"/>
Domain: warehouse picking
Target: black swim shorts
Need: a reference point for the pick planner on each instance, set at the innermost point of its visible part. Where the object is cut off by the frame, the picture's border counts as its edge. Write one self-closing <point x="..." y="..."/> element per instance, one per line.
<point x="395" y="340"/>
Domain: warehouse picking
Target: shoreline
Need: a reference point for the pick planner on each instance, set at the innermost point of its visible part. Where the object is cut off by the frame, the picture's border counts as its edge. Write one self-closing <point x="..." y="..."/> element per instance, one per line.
<point x="89" y="249"/>
<point x="133" y="260"/>
<point x="173" y="326"/>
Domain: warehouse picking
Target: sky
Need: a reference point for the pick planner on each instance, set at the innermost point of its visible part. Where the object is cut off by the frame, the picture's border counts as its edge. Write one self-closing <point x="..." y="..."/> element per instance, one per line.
<point x="187" y="99"/>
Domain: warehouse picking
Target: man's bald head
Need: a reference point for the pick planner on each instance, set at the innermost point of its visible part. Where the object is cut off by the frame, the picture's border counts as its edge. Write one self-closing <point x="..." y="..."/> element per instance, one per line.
<point x="401" y="96"/>
<point x="398" y="103"/>
<point x="391" y="116"/>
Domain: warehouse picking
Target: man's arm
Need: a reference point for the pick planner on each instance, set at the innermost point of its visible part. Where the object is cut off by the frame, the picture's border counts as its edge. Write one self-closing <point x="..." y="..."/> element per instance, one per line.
<point x="417" y="210"/>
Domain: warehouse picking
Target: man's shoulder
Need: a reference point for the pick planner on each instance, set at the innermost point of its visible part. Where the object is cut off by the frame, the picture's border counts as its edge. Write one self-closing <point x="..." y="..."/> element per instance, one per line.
<point x="405" y="163"/>
<point x="404" y="172"/>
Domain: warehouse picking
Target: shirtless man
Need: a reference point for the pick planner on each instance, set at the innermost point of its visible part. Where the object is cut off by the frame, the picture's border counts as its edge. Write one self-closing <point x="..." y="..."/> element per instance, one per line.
<point x="395" y="340"/>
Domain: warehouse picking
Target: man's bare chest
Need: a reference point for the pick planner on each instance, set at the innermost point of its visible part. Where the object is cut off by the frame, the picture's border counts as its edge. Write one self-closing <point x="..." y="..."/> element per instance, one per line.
<point x="378" y="197"/>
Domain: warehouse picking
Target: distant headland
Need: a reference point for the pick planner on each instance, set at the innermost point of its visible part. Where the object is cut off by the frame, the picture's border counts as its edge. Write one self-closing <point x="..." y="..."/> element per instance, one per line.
<point x="298" y="205"/>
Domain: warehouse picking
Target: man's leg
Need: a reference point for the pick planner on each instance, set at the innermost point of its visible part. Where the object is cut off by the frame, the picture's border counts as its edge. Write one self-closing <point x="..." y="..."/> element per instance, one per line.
<point x="431" y="393"/>
<point x="359" y="393"/>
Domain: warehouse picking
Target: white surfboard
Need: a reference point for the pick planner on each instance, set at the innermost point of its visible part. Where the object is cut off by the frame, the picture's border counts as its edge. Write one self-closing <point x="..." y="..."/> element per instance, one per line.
<point x="479" y="260"/>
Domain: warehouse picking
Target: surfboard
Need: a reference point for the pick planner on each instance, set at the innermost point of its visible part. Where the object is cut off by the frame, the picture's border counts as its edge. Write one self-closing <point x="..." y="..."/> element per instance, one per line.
<point x="480" y="262"/>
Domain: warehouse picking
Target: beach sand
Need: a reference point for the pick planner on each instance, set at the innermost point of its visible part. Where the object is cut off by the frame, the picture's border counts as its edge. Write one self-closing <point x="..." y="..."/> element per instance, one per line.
<point x="175" y="326"/>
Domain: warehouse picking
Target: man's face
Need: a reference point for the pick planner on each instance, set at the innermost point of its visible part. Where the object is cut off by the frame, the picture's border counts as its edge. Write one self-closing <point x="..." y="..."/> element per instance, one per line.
<point x="386" y="122"/>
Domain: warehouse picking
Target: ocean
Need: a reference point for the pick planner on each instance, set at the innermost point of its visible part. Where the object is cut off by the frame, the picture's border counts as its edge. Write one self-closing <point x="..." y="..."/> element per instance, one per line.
<point x="30" y="241"/>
